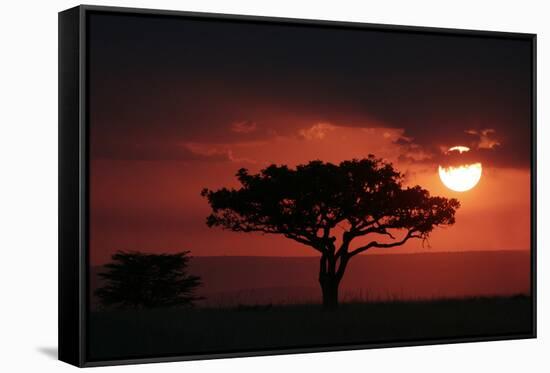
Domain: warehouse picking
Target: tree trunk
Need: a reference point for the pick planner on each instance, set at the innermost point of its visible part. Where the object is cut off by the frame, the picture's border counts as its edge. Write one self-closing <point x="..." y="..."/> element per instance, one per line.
<point x="331" y="272"/>
<point x="329" y="287"/>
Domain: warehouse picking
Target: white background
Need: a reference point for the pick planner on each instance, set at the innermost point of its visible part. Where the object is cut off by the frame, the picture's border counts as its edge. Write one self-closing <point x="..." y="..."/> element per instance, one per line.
<point x="28" y="185"/>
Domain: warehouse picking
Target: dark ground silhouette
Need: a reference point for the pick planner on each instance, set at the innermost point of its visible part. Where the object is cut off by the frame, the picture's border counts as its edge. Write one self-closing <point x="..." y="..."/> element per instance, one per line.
<point x="141" y="333"/>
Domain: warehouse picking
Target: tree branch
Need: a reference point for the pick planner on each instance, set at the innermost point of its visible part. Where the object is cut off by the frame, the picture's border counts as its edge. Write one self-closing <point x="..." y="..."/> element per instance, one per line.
<point x="376" y="244"/>
<point x="343" y="249"/>
<point x="302" y="241"/>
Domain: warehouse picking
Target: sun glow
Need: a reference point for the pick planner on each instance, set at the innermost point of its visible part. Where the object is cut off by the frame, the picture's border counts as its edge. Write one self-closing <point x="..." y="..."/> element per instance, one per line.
<point x="460" y="178"/>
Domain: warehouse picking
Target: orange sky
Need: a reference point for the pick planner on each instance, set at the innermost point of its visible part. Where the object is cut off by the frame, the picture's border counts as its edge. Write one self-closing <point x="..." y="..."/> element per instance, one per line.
<point x="153" y="205"/>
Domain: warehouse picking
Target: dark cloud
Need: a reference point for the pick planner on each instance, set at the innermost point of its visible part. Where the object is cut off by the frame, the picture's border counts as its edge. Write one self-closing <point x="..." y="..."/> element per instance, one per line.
<point x="484" y="146"/>
<point x="176" y="80"/>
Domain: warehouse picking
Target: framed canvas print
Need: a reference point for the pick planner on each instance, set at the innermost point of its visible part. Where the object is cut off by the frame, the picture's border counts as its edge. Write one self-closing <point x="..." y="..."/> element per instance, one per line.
<point x="238" y="186"/>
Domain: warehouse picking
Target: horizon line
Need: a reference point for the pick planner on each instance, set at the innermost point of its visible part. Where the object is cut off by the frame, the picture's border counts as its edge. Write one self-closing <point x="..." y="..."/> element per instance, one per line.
<point x="313" y="256"/>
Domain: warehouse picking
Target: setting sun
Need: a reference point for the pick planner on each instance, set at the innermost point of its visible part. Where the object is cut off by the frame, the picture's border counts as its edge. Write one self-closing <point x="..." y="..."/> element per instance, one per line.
<point x="460" y="178"/>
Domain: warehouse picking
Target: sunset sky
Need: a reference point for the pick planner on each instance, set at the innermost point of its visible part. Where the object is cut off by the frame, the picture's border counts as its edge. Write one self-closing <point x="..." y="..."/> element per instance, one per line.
<point x="179" y="105"/>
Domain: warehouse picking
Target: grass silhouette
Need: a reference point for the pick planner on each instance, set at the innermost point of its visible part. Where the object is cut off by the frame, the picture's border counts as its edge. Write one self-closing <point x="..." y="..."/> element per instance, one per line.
<point x="158" y="332"/>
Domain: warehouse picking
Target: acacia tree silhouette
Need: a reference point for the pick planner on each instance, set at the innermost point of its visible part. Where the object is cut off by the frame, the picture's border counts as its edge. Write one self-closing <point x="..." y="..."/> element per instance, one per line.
<point x="139" y="280"/>
<point x="327" y="206"/>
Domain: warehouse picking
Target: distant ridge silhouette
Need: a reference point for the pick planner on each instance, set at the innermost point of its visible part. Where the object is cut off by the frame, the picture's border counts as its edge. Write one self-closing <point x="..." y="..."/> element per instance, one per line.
<point x="285" y="280"/>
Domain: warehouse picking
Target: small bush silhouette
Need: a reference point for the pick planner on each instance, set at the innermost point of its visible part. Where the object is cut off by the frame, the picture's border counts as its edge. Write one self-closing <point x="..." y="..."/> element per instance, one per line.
<point x="140" y="280"/>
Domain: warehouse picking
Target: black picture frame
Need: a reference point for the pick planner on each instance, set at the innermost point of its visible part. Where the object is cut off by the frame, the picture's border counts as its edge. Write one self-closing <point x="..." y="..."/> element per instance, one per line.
<point x="74" y="191"/>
